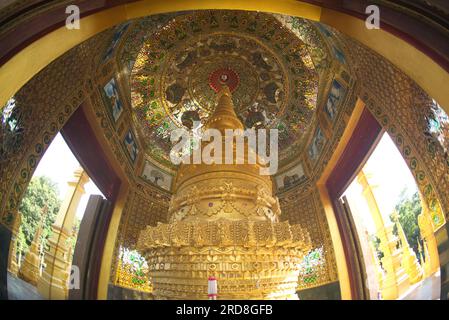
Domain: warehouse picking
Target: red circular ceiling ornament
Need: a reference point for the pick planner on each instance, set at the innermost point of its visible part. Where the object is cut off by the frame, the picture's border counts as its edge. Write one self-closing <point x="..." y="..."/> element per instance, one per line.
<point x="224" y="76"/>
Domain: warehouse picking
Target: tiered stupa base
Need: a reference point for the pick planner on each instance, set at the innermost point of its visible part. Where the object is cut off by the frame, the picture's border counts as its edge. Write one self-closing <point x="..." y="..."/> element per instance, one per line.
<point x="242" y="273"/>
<point x="251" y="260"/>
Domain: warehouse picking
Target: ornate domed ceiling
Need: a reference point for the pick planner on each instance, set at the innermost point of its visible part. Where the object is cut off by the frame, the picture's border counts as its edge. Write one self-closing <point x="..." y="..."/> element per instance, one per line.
<point x="178" y="69"/>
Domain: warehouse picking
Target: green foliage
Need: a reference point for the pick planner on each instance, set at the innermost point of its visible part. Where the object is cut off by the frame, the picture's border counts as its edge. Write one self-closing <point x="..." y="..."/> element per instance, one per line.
<point x="75" y="230"/>
<point x="139" y="266"/>
<point x="41" y="192"/>
<point x="408" y="210"/>
<point x="309" y="267"/>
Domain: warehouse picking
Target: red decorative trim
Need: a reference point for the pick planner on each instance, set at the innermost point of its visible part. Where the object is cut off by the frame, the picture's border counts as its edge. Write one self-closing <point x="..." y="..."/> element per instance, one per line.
<point x="81" y="139"/>
<point x="421" y="35"/>
<point x="360" y="146"/>
<point x="36" y="27"/>
<point x="224" y="76"/>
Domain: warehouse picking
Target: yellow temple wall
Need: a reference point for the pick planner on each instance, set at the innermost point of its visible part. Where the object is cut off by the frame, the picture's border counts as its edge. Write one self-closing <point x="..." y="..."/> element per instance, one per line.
<point x="45" y="104"/>
<point x="142" y="204"/>
<point x="143" y="208"/>
<point x="302" y="205"/>
<point x="401" y="107"/>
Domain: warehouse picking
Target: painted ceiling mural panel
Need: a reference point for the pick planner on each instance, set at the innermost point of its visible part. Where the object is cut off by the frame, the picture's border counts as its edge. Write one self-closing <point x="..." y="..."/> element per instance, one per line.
<point x="187" y="57"/>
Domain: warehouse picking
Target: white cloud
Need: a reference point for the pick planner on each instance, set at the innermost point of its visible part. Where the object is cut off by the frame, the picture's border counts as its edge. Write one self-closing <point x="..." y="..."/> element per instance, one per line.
<point x="59" y="163"/>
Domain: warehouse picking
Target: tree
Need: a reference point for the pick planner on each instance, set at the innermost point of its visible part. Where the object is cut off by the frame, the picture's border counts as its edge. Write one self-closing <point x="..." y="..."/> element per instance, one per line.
<point x="41" y="191"/>
<point x="74" y="237"/>
<point x="408" y="210"/>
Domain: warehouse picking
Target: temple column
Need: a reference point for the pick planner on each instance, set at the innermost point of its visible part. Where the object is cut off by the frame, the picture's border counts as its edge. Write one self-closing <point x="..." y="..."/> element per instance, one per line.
<point x="13" y="265"/>
<point x="431" y="255"/>
<point x="53" y="283"/>
<point x="409" y="260"/>
<point x="30" y="269"/>
<point x="396" y="280"/>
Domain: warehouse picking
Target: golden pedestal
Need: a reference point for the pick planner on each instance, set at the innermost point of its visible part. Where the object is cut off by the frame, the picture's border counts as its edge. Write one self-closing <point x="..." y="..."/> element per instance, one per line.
<point x="396" y="281"/>
<point x="53" y="283"/>
<point x="251" y="260"/>
<point x="30" y="268"/>
<point x="409" y="261"/>
<point x="13" y="265"/>
<point x="412" y="267"/>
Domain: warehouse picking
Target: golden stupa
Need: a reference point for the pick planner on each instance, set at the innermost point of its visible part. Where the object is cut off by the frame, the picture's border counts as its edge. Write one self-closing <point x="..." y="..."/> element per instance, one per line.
<point x="224" y="222"/>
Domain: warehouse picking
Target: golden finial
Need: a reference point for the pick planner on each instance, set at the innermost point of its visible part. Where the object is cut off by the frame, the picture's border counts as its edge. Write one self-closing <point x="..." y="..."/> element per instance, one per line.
<point x="224" y="116"/>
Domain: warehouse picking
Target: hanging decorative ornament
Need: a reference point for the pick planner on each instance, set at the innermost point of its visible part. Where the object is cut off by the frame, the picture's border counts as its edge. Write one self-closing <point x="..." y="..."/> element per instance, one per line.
<point x="224" y="76"/>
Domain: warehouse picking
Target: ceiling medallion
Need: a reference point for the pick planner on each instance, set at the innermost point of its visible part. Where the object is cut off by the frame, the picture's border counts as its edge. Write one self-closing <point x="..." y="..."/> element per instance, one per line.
<point x="245" y="85"/>
<point x="179" y="70"/>
<point x="224" y="76"/>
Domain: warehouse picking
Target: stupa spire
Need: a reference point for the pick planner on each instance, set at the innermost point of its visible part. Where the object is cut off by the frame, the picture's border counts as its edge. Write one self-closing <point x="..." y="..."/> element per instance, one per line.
<point x="224" y="116"/>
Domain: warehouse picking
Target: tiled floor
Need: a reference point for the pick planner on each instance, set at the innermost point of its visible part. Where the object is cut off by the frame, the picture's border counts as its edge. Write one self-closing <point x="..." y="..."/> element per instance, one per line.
<point x="428" y="289"/>
<point x="21" y="290"/>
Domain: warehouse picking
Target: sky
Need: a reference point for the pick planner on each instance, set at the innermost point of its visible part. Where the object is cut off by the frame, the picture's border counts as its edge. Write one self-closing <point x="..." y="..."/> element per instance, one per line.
<point x="388" y="175"/>
<point x="59" y="163"/>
